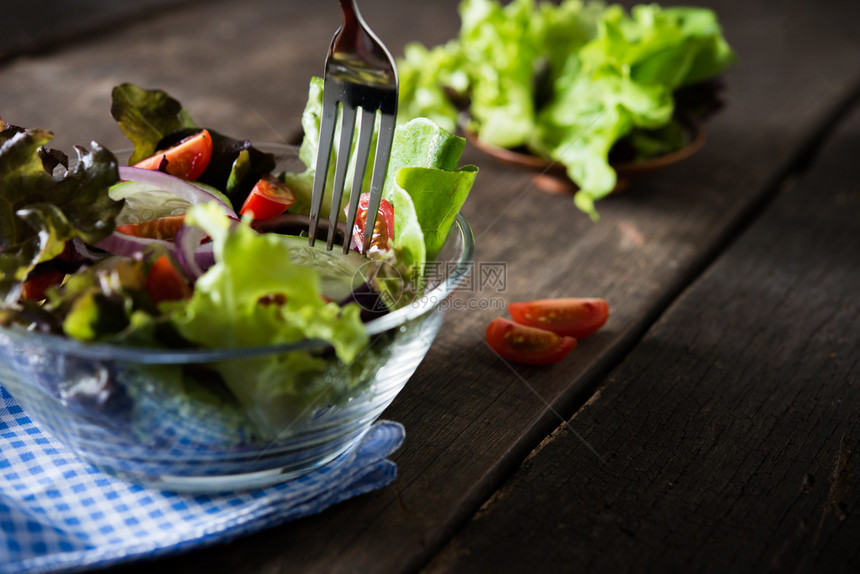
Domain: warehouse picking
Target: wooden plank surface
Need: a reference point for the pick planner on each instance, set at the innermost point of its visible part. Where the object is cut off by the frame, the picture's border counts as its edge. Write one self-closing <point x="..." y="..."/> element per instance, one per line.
<point x="242" y="67"/>
<point x="43" y="25"/>
<point x="728" y="440"/>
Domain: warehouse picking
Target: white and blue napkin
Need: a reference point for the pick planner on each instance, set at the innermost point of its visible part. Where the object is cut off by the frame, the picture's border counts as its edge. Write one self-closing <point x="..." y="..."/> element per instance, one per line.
<point x="60" y="514"/>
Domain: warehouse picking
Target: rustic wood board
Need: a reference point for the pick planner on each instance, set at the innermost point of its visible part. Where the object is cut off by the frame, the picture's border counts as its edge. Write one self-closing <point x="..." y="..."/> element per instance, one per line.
<point x="470" y="420"/>
<point x="30" y="27"/>
<point x="242" y="66"/>
<point x="728" y="440"/>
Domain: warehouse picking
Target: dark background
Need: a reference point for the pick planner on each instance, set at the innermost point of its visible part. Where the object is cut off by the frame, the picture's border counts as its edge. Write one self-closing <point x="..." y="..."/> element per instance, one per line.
<point x="34" y="25"/>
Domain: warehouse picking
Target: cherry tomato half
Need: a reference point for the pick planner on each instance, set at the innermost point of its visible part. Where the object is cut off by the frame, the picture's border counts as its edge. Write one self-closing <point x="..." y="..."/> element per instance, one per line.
<point x="572" y="317"/>
<point x="383" y="229"/>
<point x="528" y="345"/>
<point x="270" y="197"/>
<point x="37" y="287"/>
<point x="159" y="228"/>
<point x="187" y="159"/>
<point x="164" y="282"/>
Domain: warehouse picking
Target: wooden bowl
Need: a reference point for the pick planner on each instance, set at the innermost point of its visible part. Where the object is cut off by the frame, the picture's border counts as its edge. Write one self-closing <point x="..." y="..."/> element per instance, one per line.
<point x="551" y="176"/>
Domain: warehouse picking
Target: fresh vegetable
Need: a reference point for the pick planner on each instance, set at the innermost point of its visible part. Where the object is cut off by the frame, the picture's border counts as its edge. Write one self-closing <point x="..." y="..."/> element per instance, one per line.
<point x="188" y="159"/>
<point x="572" y="317"/>
<point x="164" y="282"/>
<point x="270" y="197"/>
<point x="423" y="183"/>
<point x="566" y="81"/>
<point x="383" y="229"/>
<point x="50" y="274"/>
<point x="225" y="310"/>
<point x="42" y="211"/>
<point x="154" y="121"/>
<point x="36" y="287"/>
<point x="165" y="227"/>
<point x="527" y="345"/>
<point x="162" y="196"/>
<point x="146" y="117"/>
<point x="153" y="216"/>
<point x="161" y="261"/>
<point x="175" y="187"/>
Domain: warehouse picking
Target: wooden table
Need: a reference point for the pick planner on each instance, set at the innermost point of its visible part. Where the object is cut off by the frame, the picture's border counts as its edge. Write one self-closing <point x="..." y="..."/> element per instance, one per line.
<point x="713" y="425"/>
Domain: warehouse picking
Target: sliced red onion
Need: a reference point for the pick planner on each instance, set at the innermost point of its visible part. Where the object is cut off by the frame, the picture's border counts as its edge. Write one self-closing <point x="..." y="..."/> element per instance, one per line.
<point x="194" y="261"/>
<point x="370" y="301"/>
<point x="194" y="258"/>
<point x="175" y="185"/>
<point x="83" y="250"/>
<point x="129" y="245"/>
<point x="204" y="257"/>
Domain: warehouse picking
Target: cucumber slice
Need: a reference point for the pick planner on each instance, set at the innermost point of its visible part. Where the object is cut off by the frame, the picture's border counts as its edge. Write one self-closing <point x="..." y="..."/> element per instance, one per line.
<point x="145" y="202"/>
<point x="339" y="273"/>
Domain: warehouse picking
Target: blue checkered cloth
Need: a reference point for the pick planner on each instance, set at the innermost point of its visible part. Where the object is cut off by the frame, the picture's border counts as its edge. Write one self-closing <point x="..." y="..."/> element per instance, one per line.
<point x="60" y="514"/>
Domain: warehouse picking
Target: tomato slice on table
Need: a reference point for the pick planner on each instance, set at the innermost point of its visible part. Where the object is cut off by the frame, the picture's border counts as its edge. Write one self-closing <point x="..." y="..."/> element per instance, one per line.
<point x="573" y="317"/>
<point x="164" y="282"/>
<point x="383" y="229"/>
<point x="527" y="345"/>
<point x="270" y="197"/>
<point x="187" y="159"/>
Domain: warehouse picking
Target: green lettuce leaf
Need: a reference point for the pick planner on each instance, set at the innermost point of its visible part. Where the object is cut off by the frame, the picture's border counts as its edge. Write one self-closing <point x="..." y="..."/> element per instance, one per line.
<point x="587" y="117"/>
<point x="426" y="188"/>
<point x="430" y="95"/>
<point x="40" y="211"/>
<point x="437" y="196"/>
<point x="624" y="80"/>
<point x="146" y="117"/>
<point x="501" y="48"/>
<point x="567" y="81"/>
<point x="225" y="311"/>
<point x="426" y="200"/>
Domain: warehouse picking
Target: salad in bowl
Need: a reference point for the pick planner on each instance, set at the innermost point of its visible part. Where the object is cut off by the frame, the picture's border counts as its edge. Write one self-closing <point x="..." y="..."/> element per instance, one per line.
<point x="163" y="315"/>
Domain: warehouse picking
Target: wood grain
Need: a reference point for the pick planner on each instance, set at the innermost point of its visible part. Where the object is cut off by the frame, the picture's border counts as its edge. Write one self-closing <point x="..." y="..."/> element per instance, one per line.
<point x="728" y="440"/>
<point x="34" y="27"/>
<point x="471" y="420"/>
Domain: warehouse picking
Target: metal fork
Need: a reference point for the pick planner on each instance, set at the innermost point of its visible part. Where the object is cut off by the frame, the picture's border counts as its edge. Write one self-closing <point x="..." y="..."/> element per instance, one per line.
<point x="359" y="74"/>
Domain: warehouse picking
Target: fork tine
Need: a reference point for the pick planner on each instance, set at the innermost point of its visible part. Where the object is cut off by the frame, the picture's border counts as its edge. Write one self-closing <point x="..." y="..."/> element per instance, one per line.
<point x="331" y="95"/>
<point x="362" y="146"/>
<point x="380" y="168"/>
<point x="347" y="126"/>
<point x="359" y="73"/>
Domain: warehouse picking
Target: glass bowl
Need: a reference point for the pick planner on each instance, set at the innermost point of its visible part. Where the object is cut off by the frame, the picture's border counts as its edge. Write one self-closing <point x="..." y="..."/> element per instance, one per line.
<point x="161" y="418"/>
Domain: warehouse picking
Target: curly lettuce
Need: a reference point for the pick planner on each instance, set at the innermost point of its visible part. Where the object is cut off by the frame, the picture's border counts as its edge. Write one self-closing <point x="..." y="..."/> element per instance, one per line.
<point x="257" y="295"/>
<point x="226" y="311"/>
<point x="41" y="211"/>
<point x="423" y="182"/>
<point x="566" y="81"/>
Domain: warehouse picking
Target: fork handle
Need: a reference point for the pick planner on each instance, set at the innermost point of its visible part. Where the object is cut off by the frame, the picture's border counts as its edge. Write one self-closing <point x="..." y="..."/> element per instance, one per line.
<point x="349" y="31"/>
<point x="351" y="16"/>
